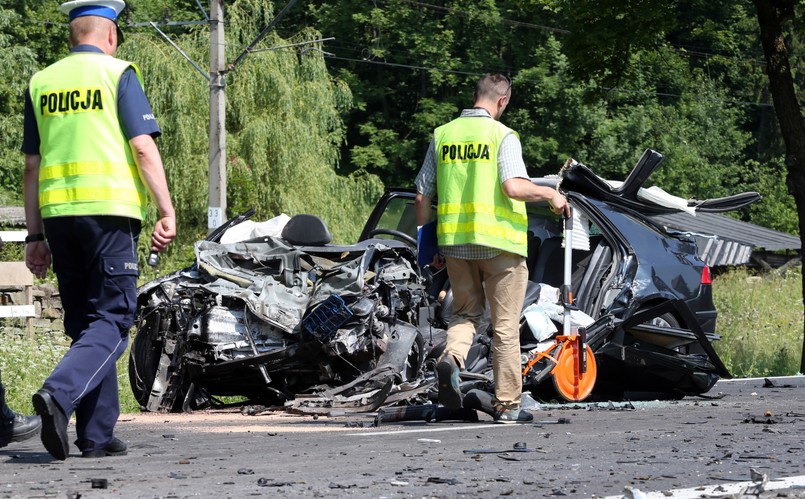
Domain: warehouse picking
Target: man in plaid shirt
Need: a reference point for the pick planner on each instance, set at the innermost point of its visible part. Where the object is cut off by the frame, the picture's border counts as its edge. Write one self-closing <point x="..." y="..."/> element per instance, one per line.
<point x="474" y="165"/>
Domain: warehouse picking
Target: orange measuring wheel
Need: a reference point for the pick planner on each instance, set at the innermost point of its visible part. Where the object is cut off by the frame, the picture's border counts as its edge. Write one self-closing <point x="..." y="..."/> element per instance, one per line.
<point x="574" y="373"/>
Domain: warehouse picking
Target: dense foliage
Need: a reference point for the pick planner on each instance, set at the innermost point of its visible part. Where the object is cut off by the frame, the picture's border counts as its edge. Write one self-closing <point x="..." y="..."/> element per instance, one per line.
<point x="315" y="127"/>
<point x="17" y="62"/>
<point x="284" y="125"/>
<point x="682" y="77"/>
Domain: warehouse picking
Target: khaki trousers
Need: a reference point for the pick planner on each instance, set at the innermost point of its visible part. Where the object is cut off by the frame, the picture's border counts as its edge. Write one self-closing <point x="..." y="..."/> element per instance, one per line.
<point x="502" y="280"/>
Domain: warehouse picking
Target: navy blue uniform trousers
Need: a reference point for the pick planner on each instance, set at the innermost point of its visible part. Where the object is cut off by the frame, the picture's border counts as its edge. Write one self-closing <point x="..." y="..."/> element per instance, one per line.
<point x="95" y="261"/>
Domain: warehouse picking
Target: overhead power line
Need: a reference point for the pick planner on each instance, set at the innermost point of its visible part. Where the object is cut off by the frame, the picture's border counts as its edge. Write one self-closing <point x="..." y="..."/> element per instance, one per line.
<point x="700" y="98"/>
<point x="690" y="51"/>
<point x="406" y="66"/>
<point x="176" y="47"/>
<point x="294" y="45"/>
<point x="476" y="73"/>
<point x="265" y="32"/>
<point x="503" y="20"/>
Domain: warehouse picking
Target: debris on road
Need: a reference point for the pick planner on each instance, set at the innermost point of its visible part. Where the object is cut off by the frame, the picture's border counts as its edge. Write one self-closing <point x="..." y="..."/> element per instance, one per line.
<point x="427" y="412"/>
<point x="99" y="483"/>
<point x="444" y="481"/>
<point x="517" y="447"/>
<point x="558" y="421"/>
<point x="759" y="481"/>
<point x="429" y="440"/>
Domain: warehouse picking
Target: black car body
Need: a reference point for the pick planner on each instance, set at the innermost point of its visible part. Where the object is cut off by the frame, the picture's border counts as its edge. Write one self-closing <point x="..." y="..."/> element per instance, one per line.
<point x="645" y="287"/>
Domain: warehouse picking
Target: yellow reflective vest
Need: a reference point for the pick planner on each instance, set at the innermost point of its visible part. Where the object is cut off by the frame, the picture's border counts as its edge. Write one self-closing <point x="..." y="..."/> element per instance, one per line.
<point x="86" y="167"/>
<point x="472" y="207"/>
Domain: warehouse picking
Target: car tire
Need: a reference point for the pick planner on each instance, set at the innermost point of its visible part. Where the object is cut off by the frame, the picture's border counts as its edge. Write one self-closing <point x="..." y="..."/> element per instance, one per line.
<point x="144" y="359"/>
<point x="665" y="320"/>
<point x="669" y="320"/>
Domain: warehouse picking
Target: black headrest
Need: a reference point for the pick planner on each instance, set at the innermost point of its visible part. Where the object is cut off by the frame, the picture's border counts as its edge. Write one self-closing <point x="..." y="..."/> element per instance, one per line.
<point x="306" y="230"/>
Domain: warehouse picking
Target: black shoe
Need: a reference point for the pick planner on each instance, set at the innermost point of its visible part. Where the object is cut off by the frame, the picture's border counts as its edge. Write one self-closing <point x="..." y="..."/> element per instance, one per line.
<point x="54" y="424"/>
<point x="20" y="428"/>
<point x="449" y="390"/>
<point x="114" y="448"/>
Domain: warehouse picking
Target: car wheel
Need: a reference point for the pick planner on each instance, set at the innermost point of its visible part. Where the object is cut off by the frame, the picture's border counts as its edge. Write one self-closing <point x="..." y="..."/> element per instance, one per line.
<point x="143" y="364"/>
<point x="668" y="320"/>
<point x="145" y="360"/>
<point x="665" y="320"/>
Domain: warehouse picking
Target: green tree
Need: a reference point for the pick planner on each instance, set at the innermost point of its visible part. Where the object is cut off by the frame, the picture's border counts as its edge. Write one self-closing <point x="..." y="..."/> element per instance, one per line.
<point x="412" y="65"/>
<point x="40" y="28"/>
<point x="17" y="63"/>
<point x="609" y="37"/>
<point x="283" y="124"/>
<point x="162" y="11"/>
<point x="776" y="20"/>
<point x="284" y="112"/>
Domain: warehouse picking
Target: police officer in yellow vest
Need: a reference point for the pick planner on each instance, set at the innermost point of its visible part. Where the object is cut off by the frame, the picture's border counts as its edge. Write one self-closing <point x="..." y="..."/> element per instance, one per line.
<point x="475" y="166"/>
<point x="90" y="164"/>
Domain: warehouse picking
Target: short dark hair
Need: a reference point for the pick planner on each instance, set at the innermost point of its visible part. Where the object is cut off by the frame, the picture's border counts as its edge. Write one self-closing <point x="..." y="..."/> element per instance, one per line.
<point x="491" y="86"/>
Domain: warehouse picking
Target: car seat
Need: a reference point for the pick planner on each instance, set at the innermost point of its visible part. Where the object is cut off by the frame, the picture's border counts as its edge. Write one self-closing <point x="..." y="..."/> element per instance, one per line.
<point x="548" y="266"/>
<point x="587" y="288"/>
<point x="306" y="230"/>
<point x="534" y="243"/>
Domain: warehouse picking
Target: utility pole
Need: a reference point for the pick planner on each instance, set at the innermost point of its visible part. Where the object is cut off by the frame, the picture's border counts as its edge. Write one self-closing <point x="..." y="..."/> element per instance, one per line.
<point x="216" y="193"/>
<point x="216" y="210"/>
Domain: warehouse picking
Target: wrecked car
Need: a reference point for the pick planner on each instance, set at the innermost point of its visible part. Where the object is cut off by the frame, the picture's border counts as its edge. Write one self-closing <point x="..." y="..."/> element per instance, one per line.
<point x="273" y="317"/>
<point x="291" y="319"/>
<point x="644" y="294"/>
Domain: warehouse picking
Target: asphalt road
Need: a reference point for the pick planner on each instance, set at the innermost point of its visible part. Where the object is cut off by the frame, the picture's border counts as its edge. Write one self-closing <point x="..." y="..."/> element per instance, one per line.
<point x="694" y="447"/>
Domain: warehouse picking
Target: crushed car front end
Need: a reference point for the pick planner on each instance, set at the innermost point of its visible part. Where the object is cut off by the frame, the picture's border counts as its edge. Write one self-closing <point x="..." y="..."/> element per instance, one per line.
<point x="266" y="320"/>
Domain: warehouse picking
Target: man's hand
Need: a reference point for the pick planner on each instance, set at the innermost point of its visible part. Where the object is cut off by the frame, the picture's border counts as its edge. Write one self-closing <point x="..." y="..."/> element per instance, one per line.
<point x="164" y="233"/>
<point x="37" y="258"/>
<point x="522" y="189"/>
<point x="559" y="204"/>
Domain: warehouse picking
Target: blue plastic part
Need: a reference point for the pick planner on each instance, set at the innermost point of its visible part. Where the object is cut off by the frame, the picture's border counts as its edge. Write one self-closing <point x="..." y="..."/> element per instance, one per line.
<point x="327" y="317"/>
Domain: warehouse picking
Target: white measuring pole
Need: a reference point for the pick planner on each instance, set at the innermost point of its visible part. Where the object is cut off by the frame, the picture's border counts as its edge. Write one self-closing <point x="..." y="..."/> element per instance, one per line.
<point x="566" y="291"/>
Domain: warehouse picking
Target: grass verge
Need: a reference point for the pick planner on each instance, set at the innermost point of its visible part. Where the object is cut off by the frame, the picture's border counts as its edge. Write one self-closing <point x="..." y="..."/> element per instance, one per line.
<point x="27" y="362"/>
<point x="760" y="320"/>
